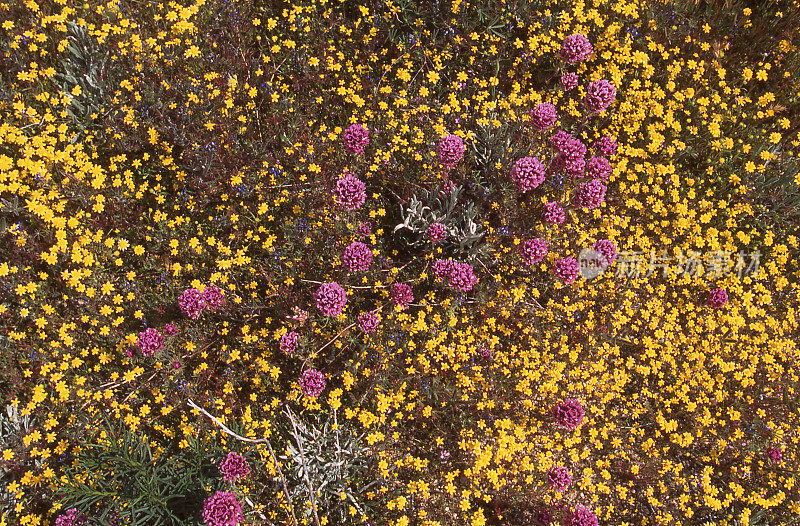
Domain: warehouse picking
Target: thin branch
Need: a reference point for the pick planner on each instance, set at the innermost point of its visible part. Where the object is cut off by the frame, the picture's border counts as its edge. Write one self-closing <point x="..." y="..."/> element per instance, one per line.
<point x="252" y="441"/>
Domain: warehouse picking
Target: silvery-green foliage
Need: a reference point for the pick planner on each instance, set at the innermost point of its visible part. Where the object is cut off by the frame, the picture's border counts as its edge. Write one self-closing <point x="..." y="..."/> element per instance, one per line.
<point x="464" y="234"/>
<point x="13" y="425"/>
<point x="331" y="460"/>
<point x="86" y="65"/>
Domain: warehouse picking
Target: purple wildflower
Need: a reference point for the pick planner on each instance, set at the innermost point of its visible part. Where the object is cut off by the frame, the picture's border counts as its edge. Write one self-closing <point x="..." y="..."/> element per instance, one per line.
<point x="402" y="294"/>
<point x="554" y="214"/>
<point x="150" y="341"/>
<point x="213" y="297"/>
<point x="590" y="195"/>
<point x="569" y="81"/>
<point x="607" y="248"/>
<point x="170" y="329"/>
<point x="312" y="382"/>
<point x="289" y="342"/>
<point x="192" y="303"/>
<point x="357" y="256"/>
<point x="437" y="232"/>
<point x="569" y="413"/>
<point x="560" y="477"/>
<point x="451" y="150"/>
<point x="581" y="516"/>
<point x="71" y="517"/>
<point x="534" y="250"/>
<point x="234" y="467"/>
<point x="598" y="168"/>
<point x="364" y="229"/>
<point x="571" y="152"/>
<point x="331" y="299"/>
<point x="528" y="173"/>
<point x="368" y="322"/>
<point x="576" y="48"/>
<point x="605" y="145"/>
<point x="356" y="138"/>
<point x="775" y="454"/>
<point x="567" y="270"/>
<point x="599" y="95"/>
<point x="543" y="116"/>
<point x="350" y="192"/>
<point x="717" y="298"/>
<point x="222" y="509"/>
<point x="460" y="276"/>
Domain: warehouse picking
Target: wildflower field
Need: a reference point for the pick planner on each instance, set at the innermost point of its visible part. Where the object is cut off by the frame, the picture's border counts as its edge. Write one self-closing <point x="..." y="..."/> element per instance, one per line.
<point x="396" y="262"/>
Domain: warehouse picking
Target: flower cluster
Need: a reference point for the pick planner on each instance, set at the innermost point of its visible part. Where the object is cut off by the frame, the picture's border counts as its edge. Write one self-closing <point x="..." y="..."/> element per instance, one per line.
<point x="717" y="298"/>
<point x="598" y="168"/>
<point x="437" y="232"/>
<point x="350" y="192"/>
<point x="356" y="138"/>
<point x="402" y="294"/>
<point x="357" y="256"/>
<point x="576" y="48"/>
<point x="150" y="341"/>
<point x="554" y="213"/>
<point x="458" y="275"/>
<point x="312" y="383"/>
<point x="567" y="269"/>
<point x="71" y="517"/>
<point x="368" y="322"/>
<point x="192" y="302"/>
<point x="544" y="116"/>
<point x="590" y="195"/>
<point x="571" y="154"/>
<point x="222" y="509"/>
<point x="534" y="250"/>
<point x="528" y="173"/>
<point x="234" y="467"/>
<point x="331" y="299"/>
<point x="559" y="477"/>
<point x="450" y="150"/>
<point x="599" y="95"/>
<point x="569" y="413"/>
<point x="288" y="343"/>
<point x="607" y="248"/>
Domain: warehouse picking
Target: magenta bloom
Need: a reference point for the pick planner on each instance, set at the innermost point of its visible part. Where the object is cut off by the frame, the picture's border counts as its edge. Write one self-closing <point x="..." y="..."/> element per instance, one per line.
<point x="222" y="509"/>
<point x="599" y="95"/>
<point x="437" y="232"/>
<point x="576" y="48"/>
<point x="605" y="145"/>
<point x="213" y="297"/>
<point x="350" y="192"/>
<point x="554" y="214"/>
<point x="170" y="329"/>
<point x="234" y="467"/>
<point x="581" y="516"/>
<point x="402" y="294"/>
<point x="357" y="256"/>
<point x="607" y="248"/>
<point x="567" y="270"/>
<point x="543" y="116"/>
<point x="534" y="250"/>
<point x="368" y="322"/>
<point x="560" y="477"/>
<point x="590" y="195"/>
<point x="312" y="382"/>
<point x="569" y="413"/>
<point x="775" y="454"/>
<point x="598" y="168"/>
<point x="571" y="153"/>
<point x="528" y="173"/>
<point x="569" y="81"/>
<point x="150" y="341"/>
<point x="71" y="517"/>
<point x="192" y="302"/>
<point x="356" y="138"/>
<point x="289" y="342"/>
<point x="331" y="299"/>
<point x="717" y="298"/>
<point x="451" y="149"/>
<point x="460" y="276"/>
<point x="364" y="229"/>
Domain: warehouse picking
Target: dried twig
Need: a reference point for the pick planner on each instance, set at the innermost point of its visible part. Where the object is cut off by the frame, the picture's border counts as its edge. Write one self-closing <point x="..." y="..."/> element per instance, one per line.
<point x="252" y="441"/>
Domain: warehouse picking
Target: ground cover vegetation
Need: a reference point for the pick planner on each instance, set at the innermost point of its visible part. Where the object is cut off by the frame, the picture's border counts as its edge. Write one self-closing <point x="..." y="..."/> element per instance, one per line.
<point x="322" y="262"/>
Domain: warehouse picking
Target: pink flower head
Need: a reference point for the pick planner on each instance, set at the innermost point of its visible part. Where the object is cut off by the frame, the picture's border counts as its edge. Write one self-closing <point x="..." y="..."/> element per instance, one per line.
<point x="598" y="168"/>
<point x="528" y="173"/>
<point x="356" y="138"/>
<point x="289" y="342"/>
<point x="402" y="294"/>
<point x="368" y="322"/>
<point x="569" y="413"/>
<point x="560" y="477"/>
<point x="567" y="270"/>
<point x="213" y="297"/>
<point x="331" y="299"/>
<point x="71" y="517"/>
<point x="590" y="195"/>
<point x="605" y="145"/>
<point x="150" y="341"/>
<point x="581" y="516"/>
<point x="607" y="248"/>
<point x="571" y="153"/>
<point x="775" y="454"/>
<point x="222" y="509"/>
<point x="576" y="48"/>
<point x="569" y="81"/>
<point x="451" y="149"/>
<point x="350" y="192"/>
<point x="599" y="95"/>
<point x="543" y="116"/>
<point x="312" y="382"/>
<point x="234" y="467"/>
<point x="554" y="214"/>
<point x="437" y="232"/>
<point x="357" y="256"/>
<point x="192" y="302"/>
<point x="170" y="329"/>
<point x="364" y="229"/>
<point x="534" y="250"/>
<point x="717" y="298"/>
